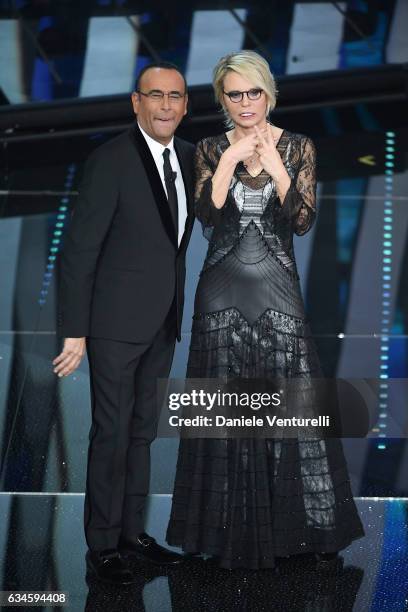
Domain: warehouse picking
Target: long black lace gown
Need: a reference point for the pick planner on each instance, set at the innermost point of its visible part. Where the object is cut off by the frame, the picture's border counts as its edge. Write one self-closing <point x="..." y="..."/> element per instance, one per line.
<point x="250" y="500"/>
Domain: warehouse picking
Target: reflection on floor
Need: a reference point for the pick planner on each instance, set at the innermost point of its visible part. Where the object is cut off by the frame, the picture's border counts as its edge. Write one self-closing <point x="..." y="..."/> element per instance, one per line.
<point x="43" y="548"/>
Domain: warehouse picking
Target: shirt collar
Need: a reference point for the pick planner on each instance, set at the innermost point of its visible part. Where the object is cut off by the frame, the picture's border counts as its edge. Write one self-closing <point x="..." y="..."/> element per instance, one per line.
<point x="156" y="147"/>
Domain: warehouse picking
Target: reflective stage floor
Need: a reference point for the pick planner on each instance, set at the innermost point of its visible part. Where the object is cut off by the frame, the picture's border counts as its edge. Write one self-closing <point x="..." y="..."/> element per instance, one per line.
<point x="43" y="548"/>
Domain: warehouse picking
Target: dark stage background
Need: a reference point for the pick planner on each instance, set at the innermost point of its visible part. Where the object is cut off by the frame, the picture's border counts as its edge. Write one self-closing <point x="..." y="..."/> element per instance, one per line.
<point x="66" y="73"/>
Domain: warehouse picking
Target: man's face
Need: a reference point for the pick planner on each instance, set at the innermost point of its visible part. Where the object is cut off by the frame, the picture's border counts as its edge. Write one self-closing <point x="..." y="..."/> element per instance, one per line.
<point x="160" y="117"/>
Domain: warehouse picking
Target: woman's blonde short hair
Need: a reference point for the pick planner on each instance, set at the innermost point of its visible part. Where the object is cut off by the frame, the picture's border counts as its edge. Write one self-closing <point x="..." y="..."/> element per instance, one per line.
<point x="252" y="67"/>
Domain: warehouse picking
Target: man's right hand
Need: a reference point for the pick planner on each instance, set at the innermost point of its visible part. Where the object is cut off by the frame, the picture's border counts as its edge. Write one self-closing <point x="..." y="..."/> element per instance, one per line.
<point x="70" y="357"/>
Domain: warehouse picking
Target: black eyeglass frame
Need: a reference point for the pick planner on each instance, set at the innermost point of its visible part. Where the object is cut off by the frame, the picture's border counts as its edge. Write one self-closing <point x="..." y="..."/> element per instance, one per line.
<point x="257" y="89"/>
<point x="177" y="96"/>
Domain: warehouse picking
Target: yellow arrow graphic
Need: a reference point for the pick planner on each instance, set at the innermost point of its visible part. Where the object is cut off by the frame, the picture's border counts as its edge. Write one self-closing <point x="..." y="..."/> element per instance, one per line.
<point x="367" y="159"/>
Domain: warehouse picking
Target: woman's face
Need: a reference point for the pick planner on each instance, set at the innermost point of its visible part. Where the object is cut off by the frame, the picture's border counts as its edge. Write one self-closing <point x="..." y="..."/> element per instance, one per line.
<point x="247" y="113"/>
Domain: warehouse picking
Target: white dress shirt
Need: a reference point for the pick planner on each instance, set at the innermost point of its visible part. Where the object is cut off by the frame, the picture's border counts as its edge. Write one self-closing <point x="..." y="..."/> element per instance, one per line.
<point x="156" y="149"/>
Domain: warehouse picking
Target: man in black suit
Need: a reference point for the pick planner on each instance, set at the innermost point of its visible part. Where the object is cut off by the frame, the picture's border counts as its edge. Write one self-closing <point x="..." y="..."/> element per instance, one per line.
<point x="121" y="297"/>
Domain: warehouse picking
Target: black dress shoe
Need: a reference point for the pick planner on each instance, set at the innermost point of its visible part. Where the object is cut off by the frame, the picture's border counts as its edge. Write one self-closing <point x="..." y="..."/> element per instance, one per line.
<point x="326" y="557"/>
<point x="146" y="548"/>
<point x="108" y="566"/>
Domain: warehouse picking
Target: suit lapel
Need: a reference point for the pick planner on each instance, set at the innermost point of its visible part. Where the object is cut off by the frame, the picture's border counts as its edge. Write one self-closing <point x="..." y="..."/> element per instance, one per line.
<point x="184" y="158"/>
<point x="156" y="184"/>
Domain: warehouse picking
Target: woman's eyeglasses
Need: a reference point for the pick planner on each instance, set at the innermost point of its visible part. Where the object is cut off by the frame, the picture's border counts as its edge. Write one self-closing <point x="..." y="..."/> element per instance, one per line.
<point x="237" y="96"/>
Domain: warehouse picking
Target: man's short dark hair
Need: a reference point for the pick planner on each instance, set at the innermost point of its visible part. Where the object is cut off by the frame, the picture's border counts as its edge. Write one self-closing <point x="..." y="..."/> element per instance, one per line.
<point x="165" y="66"/>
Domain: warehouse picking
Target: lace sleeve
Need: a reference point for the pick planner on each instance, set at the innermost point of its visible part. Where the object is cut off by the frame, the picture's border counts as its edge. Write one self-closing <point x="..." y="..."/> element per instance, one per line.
<point x="300" y="201"/>
<point x="206" y="211"/>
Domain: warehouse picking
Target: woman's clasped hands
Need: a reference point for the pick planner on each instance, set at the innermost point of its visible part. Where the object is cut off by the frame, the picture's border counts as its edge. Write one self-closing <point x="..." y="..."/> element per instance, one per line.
<point x="269" y="156"/>
<point x="258" y="149"/>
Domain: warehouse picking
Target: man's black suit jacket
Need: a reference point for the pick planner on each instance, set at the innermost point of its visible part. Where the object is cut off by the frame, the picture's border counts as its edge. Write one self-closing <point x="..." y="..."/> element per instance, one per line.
<point x="121" y="266"/>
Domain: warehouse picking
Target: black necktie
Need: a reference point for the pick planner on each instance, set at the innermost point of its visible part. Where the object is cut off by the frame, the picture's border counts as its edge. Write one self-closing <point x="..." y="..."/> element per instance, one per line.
<point x="169" y="179"/>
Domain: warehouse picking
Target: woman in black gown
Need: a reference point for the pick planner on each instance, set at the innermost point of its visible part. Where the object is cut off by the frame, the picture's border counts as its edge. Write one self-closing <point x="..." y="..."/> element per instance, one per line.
<point x="248" y="501"/>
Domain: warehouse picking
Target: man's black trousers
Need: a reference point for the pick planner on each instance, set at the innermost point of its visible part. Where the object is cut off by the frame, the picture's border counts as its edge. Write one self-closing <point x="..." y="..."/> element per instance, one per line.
<point x="125" y="411"/>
